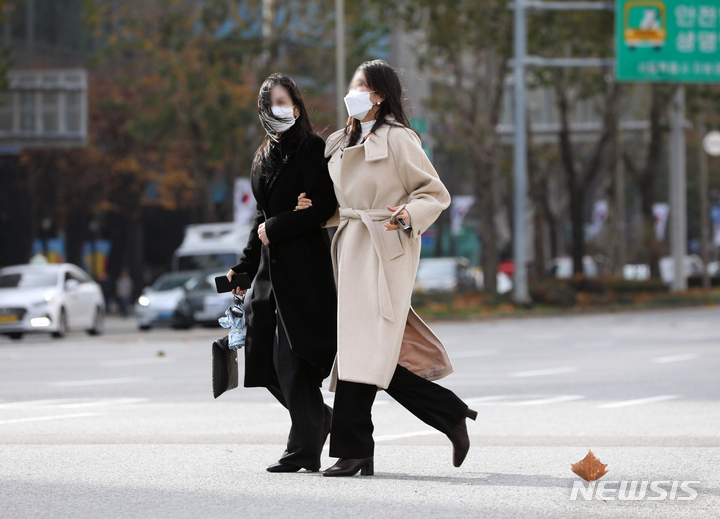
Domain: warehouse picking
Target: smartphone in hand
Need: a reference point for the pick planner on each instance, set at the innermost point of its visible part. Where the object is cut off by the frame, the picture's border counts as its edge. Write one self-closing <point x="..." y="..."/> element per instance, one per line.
<point x="239" y="280"/>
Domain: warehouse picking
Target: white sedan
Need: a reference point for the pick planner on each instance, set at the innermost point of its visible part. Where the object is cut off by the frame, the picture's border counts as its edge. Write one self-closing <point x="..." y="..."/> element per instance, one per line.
<point x="49" y="298"/>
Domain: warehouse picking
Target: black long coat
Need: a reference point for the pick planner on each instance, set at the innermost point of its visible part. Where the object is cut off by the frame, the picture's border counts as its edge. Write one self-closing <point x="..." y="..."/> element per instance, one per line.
<point x="294" y="273"/>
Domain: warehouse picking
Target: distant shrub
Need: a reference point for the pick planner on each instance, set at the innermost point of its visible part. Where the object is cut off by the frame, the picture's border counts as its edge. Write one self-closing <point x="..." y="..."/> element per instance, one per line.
<point x="555" y="292"/>
<point x="696" y="281"/>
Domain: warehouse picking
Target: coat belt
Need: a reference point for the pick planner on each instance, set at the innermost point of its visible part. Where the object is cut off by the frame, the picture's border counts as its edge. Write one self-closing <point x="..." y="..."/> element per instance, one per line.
<point x="367" y="217"/>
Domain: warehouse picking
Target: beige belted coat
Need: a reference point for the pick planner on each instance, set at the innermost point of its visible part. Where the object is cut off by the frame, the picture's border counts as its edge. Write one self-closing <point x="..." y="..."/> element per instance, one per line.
<point x="375" y="269"/>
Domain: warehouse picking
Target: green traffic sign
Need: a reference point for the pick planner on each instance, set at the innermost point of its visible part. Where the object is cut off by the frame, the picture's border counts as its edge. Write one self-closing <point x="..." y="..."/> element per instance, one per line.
<point x="419" y="125"/>
<point x="673" y="41"/>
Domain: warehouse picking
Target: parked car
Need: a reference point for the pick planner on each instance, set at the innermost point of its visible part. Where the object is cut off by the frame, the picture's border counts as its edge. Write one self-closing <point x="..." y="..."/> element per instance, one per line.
<point x="201" y="303"/>
<point x="156" y="306"/>
<point x="444" y="275"/>
<point x="51" y="298"/>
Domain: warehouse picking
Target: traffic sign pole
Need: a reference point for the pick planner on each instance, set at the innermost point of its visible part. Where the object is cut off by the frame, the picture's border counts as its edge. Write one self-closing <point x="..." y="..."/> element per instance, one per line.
<point x="520" y="284"/>
<point x="704" y="210"/>
<point x="678" y="190"/>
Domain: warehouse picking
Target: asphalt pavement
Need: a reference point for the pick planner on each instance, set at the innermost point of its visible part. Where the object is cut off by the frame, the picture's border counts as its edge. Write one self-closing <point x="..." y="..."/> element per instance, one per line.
<point x="124" y="426"/>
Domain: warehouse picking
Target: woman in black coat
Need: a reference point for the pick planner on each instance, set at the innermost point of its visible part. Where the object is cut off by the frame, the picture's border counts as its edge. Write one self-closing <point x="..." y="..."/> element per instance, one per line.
<point x="292" y="331"/>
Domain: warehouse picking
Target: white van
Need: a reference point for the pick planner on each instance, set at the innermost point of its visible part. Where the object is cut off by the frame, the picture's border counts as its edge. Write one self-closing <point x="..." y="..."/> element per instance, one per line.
<point x="214" y="246"/>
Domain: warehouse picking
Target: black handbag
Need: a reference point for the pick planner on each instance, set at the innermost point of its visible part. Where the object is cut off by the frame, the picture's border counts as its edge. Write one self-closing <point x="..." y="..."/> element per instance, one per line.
<point x="224" y="367"/>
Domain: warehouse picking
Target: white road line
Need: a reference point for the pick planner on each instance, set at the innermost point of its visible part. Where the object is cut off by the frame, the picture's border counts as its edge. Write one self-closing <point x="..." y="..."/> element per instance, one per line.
<point x="602" y="343"/>
<point x="32" y="403"/>
<point x="109" y="401"/>
<point x="471" y="353"/>
<point x="675" y="358"/>
<point x="486" y="399"/>
<point x="387" y="437"/>
<point x="136" y="362"/>
<point x="551" y="400"/>
<point x="96" y="382"/>
<point x="638" y="401"/>
<point x="521" y="400"/>
<point x="45" y="418"/>
<point x="541" y="372"/>
<point x="329" y="401"/>
<point x="71" y="403"/>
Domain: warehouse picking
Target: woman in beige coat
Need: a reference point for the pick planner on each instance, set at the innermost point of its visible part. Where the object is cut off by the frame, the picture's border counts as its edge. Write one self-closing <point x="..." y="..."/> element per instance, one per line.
<point x="388" y="194"/>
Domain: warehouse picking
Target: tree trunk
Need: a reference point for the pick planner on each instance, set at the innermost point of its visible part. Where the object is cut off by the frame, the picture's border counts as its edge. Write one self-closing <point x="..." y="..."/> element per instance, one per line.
<point x="579" y="181"/>
<point x="485" y="160"/>
<point x="16" y="232"/>
<point x="578" y="238"/>
<point x="537" y="194"/>
<point x="485" y="197"/>
<point x="575" y="194"/>
<point x="660" y="96"/>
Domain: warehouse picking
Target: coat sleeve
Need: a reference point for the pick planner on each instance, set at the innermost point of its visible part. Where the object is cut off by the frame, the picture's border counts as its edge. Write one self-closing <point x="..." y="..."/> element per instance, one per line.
<point x="427" y="194"/>
<point x="334" y="220"/>
<point x="318" y="187"/>
<point x="250" y="261"/>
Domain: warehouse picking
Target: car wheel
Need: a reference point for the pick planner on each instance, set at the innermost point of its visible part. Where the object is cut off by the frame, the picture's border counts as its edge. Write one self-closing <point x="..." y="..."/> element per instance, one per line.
<point x="15" y="335"/>
<point x="62" y="325"/>
<point x="181" y="326"/>
<point x="98" y="322"/>
<point x="210" y="324"/>
<point x="144" y="327"/>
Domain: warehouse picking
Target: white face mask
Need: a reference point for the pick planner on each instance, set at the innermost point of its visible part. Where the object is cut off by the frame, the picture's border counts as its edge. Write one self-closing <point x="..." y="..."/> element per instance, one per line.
<point x="358" y="104"/>
<point x="286" y="118"/>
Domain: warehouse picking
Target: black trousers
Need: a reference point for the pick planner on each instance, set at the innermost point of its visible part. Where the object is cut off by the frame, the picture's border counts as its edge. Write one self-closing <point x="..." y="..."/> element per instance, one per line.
<point x="352" y="427"/>
<point x="295" y="383"/>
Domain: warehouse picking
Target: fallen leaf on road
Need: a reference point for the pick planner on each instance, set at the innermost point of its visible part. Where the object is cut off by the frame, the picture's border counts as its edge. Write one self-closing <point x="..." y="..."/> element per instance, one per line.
<point x="589" y="468"/>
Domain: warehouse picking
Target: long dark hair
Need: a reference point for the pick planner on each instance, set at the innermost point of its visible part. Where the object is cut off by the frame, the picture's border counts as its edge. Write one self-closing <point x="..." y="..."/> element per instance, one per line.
<point x="383" y="79"/>
<point x="275" y="150"/>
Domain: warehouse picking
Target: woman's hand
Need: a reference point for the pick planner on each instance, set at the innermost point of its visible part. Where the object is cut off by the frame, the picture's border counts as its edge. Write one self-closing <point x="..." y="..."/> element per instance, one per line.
<point x="403" y="215"/>
<point x="235" y="291"/>
<point x="262" y="234"/>
<point x="303" y="202"/>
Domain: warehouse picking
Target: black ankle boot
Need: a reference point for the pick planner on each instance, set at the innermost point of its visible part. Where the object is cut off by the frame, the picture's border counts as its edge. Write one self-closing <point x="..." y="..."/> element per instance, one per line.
<point x="460" y="439"/>
<point x="349" y="467"/>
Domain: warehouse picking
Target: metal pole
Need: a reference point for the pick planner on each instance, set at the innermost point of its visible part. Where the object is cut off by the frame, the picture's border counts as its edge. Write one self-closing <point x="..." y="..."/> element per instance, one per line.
<point x="704" y="210"/>
<point x="340" y="78"/>
<point x="268" y="24"/>
<point x="520" y="288"/>
<point x="30" y="31"/>
<point x="620" y="237"/>
<point x="678" y="210"/>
